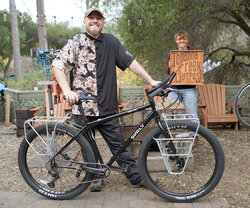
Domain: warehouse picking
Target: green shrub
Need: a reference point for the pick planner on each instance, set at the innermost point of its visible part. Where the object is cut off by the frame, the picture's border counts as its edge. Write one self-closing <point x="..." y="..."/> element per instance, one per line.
<point x="30" y="80"/>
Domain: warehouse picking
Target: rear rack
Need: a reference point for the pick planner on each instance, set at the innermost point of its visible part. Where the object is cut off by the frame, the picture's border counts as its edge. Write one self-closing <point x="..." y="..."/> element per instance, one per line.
<point x="47" y="142"/>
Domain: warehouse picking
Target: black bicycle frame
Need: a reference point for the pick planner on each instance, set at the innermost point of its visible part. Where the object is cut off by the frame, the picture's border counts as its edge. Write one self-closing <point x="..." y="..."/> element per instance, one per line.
<point x="88" y="125"/>
<point x="91" y="124"/>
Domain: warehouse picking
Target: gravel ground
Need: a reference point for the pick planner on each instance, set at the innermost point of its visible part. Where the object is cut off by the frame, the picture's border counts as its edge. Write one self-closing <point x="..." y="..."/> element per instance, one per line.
<point x="234" y="186"/>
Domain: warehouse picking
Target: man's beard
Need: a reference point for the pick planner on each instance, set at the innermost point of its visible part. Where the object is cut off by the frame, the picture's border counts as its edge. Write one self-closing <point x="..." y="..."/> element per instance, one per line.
<point x="94" y="31"/>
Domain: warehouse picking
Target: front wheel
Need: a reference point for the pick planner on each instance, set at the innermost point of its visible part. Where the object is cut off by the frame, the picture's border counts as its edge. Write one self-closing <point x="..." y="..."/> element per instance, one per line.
<point x="174" y="169"/>
<point x="60" y="177"/>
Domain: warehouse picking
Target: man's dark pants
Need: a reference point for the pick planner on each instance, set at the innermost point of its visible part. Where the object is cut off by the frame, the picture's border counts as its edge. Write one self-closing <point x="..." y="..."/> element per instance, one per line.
<point x="112" y="134"/>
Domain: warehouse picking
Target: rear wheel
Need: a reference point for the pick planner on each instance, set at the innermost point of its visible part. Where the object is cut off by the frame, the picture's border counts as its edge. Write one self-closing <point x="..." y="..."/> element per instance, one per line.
<point x="62" y="177"/>
<point x="181" y="178"/>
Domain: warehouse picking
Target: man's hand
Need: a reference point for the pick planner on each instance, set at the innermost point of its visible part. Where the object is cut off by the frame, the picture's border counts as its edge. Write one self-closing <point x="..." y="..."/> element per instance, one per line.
<point x="61" y="78"/>
<point x="154" y="83"/>
<point x="169" y="64"/>
<point x="71" y="96"/>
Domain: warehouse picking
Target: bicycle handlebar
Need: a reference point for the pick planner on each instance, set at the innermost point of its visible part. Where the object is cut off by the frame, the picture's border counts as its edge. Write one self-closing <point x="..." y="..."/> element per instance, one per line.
<point x="160" y="87"/>
<point x="150" y="92"/>
<point x="83" y="97"/>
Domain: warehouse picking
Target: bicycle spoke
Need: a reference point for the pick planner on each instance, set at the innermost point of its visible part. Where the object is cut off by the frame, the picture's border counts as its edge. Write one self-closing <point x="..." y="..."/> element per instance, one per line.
<point x="40" y="167"/>
<point x="176" y="170"/>
<point x="199" y="169"/>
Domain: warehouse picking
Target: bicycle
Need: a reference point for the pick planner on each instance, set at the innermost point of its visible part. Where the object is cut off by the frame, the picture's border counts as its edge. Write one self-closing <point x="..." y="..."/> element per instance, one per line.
<point x="57" y="162"/>
<point x="43" y="60"/>
<point x="242" y="101"/>
<point x="242" y="105"/>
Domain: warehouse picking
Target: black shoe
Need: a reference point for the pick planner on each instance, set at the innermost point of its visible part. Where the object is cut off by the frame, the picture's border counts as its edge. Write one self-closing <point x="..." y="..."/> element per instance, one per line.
<point x="141" y="184"/>
<point x="96" y="186"/>
<point x="138" y="185"/>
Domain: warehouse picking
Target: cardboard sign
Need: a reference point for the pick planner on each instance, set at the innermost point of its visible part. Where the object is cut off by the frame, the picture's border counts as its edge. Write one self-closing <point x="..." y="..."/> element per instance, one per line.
<point x="188" y="67"/>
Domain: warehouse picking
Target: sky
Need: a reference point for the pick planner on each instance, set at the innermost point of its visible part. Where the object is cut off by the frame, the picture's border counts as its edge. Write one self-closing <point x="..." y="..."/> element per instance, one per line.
<point x="64" y="10"/>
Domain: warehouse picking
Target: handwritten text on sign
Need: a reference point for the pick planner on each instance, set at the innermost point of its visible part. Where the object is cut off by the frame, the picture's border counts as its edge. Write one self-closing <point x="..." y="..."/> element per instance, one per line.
<point x="188" y="67"/>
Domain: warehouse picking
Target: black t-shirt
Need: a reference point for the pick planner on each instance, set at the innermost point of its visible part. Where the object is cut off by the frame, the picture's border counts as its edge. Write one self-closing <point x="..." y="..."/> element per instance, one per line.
<point x="109" y="54"/>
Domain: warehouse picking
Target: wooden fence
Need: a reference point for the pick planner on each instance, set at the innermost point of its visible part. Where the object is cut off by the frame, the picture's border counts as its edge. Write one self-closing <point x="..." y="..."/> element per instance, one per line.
<point x="36" y="98"/>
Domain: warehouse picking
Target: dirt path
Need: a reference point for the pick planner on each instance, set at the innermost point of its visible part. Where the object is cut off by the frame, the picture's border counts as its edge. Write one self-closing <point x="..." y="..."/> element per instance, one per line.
<point x="234" y="186"/>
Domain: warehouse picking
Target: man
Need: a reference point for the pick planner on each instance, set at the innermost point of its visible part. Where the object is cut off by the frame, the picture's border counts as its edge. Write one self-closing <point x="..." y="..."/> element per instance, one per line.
<point x="188" y="93"/>
<point x="93" y="57"/>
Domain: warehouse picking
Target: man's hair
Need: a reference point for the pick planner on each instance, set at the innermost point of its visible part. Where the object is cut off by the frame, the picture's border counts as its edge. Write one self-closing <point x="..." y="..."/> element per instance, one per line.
<point x="181" y="34"/>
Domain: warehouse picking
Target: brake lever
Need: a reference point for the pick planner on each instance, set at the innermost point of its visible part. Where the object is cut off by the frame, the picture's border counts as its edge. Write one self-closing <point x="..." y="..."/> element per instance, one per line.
<point x="166" y="92"/>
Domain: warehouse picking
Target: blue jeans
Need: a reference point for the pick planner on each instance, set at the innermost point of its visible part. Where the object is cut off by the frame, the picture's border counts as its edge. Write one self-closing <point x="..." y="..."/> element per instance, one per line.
<point x="189" y="96"/>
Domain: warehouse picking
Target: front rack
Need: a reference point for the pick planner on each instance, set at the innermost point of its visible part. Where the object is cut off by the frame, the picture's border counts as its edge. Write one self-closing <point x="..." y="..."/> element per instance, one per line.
<point x="183" y="142"/>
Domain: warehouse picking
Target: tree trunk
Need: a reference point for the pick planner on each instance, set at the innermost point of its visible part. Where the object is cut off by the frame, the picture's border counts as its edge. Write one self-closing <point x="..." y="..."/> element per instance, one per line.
<point x="42" y="35"/>
<point x="15" y="42"/>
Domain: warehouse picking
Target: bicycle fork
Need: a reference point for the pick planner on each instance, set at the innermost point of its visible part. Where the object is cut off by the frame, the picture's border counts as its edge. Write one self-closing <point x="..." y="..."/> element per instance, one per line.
<point x="172" y="150"/>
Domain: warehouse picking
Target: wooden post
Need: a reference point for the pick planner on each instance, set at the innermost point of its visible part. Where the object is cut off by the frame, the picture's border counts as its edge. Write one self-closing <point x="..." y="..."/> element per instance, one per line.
<point x="7" y="110"/>
<point x="47" y="102"/>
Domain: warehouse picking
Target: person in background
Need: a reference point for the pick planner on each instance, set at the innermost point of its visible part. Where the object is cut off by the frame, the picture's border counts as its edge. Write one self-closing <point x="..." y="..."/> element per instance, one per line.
<point x="93" y="57"/>
<point x="188" y="93"/>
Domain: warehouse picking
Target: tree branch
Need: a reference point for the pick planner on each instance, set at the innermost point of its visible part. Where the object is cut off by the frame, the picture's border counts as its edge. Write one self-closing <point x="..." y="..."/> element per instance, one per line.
<point x="224" y="21"/>
<point x="29" y="40"/>
<point x="235" y="15"/>
<point x="235" y="52"/>
<point x="94" y="2"/>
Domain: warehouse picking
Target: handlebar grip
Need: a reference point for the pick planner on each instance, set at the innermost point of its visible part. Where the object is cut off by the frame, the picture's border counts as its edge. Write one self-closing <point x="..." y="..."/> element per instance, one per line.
<point x="84" y="97"/>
